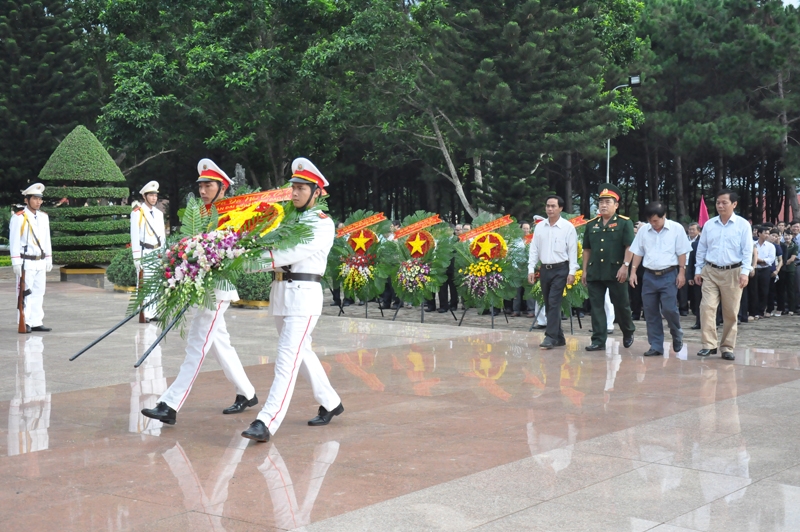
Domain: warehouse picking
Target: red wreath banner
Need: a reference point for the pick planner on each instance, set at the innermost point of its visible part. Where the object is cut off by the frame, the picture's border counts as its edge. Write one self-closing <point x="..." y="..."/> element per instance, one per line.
<point x="485" y="228"/>
<point x="246" y="200"/>
<point x="361" y="224"/>
<point x="422" y="224"/>
<point x="419" y="243"/>
<point x="363" y="240"/>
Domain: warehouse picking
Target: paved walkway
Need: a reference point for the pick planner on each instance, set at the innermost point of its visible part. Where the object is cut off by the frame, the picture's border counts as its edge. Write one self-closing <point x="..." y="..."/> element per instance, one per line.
<point x="445" y="428"/>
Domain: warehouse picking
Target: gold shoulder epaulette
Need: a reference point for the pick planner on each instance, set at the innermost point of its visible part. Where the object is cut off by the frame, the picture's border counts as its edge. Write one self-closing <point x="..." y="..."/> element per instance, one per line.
<point x="623" y="217"/>
<point x="135" y="208"/>
<point x="593" y="219"/>
<point x="323" y="215"/>
<point x="19" y="213"/>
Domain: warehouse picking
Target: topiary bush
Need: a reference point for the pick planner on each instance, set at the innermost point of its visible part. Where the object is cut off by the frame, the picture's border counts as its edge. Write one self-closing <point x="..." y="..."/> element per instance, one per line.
<point x="254" y="286"/>
<point x="121" y="271"/>
<point x="85" y="231"/>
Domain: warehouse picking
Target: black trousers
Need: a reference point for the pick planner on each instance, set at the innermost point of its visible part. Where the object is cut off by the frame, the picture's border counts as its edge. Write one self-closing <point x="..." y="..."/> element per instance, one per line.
<point x="789" y="291"/>
<point x="683" y="298"/>
<point x="696" y="294"/>
<point x="553" y="281"/>
<point x="635" y="295"/>
<point x="618" y="292"/>
<point x="448" y="296"/>
<point x="761" y="289"/>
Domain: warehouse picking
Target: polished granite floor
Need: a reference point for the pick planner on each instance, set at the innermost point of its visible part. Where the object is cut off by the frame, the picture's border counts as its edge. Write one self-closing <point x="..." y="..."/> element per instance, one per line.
<point x="445" y="428"/>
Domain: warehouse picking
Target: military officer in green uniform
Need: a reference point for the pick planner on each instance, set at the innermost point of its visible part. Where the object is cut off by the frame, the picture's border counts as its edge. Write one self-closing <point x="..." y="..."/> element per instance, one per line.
<point x="606" y="257"/>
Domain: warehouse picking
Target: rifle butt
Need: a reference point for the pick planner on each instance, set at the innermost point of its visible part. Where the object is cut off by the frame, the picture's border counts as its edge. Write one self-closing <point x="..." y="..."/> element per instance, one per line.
<point x="21" y="327"/>
<point x="141" y="312"/>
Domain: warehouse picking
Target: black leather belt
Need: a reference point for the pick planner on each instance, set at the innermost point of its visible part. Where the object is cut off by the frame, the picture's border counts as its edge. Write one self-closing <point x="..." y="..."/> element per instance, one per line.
<point x="31" y="257"/>
<point x="661" y="272"/>
<point x="556" y="265"/>
<point x="147" y="246"/>
<point x="291" y="276"/>
<point x="730" y="267"/>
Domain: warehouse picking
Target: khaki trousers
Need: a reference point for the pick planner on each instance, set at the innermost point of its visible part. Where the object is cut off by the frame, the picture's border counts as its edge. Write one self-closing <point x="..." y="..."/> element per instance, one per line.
<point x="720" y="287"/>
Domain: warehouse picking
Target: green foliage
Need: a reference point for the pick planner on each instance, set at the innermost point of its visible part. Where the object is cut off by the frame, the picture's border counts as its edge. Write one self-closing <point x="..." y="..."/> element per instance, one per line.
<point x="81" y="157"/>
<point x="86" y="192"/>
<point x="122" y="271"/>
<point x="90" y="240"/>
<point x="92" y="227"/>
<point x="88" y="212"/>
<point x="254" y="286"/>
<point x="5" y="260"/>
<point x="341" y="251"/>
<point x="81" y="257"/>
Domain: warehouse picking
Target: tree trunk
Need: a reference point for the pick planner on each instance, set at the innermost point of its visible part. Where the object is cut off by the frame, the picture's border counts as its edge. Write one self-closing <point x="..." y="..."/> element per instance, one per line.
<point x="680" y="198"/>
<point x="568" y="185"/>
<point x="452" y="174"/>
<point x="719" y="175"/>
<point x="791" y="189"/>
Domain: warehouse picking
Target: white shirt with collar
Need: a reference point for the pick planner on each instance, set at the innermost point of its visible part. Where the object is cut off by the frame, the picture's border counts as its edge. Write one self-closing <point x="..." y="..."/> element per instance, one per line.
<point x="553" y="244"/>
<point x="147" y="226"/>
<point x="766" y="252"/>
<point x="725" y="244"/>
<point x="661" y="249"/>
<point x="29" y="234"/>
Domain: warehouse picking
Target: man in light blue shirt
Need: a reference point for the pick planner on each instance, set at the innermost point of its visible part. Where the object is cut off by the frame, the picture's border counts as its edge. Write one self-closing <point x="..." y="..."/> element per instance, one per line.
<point x="661" y="247"/>
<point x="723" y="265"/>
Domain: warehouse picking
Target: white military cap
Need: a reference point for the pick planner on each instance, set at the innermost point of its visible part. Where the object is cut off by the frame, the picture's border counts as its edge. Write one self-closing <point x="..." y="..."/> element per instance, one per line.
<point x="209" y="171"/>
<point x="152" y="186"/>
<point x="304" y="171"/>
<point x="36" y="189"/>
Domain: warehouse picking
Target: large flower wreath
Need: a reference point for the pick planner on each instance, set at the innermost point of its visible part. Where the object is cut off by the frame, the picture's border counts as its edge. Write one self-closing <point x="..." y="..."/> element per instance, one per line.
<point x="574" y="294"/>
<point x="491" y="266"/>
<point x="353" y="259"/>
<point x="417" y="263"/>
<point x="211" y="252"/>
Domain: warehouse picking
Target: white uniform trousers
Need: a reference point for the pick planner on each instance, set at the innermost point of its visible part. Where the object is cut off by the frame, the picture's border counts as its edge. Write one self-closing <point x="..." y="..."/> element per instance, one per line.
<point x="149" y="312"/>
<point x="295" y="355"/>
<point x="208" y="333"/>
<point x="34" y="312"/>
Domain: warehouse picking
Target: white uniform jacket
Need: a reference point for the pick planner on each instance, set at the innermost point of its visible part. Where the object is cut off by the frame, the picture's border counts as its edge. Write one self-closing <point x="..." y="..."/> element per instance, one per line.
<point x="302" y="298"/>
<point x="147" y="227"/>
<point x="29" y="234"/>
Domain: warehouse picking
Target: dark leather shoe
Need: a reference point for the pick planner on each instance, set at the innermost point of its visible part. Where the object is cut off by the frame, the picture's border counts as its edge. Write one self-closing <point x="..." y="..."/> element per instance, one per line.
<point x="684" y="312"/>
<point x="240" y="403"/>
<point x="516" y="314"/>
<point x="561" y="343"/>
<point x="41" y="328"/>
<point x="442" y="310"/>
<point x="627" y="341"/>
<point x="324" y="417"/>
<point x="653" y="353"/>
<point x="728" y="355"/>
<point x="547" y="344"/>
<point x="706" y="352"/>
<point x="430" y="309"/>
<point x="537" y="326"/>
<point x="595" y="347"/>
<point x="161" y="412"/>
<point x="696" y="326"/>
<point x="677" y="346"/>
<point x="257" y="431"/>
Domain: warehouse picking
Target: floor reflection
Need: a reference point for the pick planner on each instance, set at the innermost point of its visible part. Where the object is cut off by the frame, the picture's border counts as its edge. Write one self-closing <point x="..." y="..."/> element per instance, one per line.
<point x="29" y="409"/>
<point x="149" y="382"/>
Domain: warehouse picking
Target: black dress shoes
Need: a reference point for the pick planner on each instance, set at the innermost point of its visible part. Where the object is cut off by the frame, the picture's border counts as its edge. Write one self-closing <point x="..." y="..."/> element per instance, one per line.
<point x="696" y="326"/>
<point x="595" y="347"/>
<point x="547" y="344"/>
<point x="161" y="412"/>
<point x="677" y="346"/>
<point x="537" y="326"/>
<point x="324" y="417"/>
<point x="706" y="352"/>
<point x="627" y="341"/>
<point x="256" y="431"/>
<point x="728" y="355"/>
<point x="41" y="328"/>
<point x="442" y="310"/>
<point x="653" y="353"/>
<point x="240" y="403"/>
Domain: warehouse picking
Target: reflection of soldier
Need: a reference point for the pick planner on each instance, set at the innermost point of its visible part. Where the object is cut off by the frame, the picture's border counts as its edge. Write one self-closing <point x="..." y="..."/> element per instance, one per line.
<point x="612" y="367"/>
<point x="29" y="410"/>
<point x="150" y="383"/>
<point x="416" y="366"/>
<point x="289" y="515"/>
<point x="551" y="452"/>
<point x="194" y="495"/>
<point x="355" y="363"/>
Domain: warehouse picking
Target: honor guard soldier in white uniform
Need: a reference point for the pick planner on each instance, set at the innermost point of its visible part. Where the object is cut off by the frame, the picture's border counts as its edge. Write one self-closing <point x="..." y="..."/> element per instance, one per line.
<point x="147" y="232"/>
<point x="296" y="304"/>
<point x="29" y="239"/>
<point x="207" y="331"/>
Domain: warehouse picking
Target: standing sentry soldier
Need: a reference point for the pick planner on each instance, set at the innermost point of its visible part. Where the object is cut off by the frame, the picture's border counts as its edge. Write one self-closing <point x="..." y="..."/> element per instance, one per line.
<point x="147" y="233"/>
<point x="606" y="257"/>
<point x="29" y="245"/>
<point x="296" y="304"/>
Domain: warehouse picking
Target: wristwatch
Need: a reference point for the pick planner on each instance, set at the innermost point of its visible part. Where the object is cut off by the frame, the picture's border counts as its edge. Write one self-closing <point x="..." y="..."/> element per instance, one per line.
<point x="626" y="264"/>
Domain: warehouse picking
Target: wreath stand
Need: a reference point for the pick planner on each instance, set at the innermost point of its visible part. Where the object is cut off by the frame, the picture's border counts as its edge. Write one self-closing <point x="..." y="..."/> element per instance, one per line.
<point x="571" y="325"/>
<point x="491" y="311"/>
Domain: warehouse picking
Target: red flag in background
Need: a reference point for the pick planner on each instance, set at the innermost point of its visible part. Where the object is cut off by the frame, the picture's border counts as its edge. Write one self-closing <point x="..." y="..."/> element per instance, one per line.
<point x="702" y="217"/>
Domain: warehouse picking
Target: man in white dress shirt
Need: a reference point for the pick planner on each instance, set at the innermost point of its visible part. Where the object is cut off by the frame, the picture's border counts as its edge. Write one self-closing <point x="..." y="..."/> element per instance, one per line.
<point x="555" y="245"/>
<point x="29" y="246"/>
<point x="147" y="233"/>
<point x="763" y="277"/>
<point x="296" y="304"/>
<point x="661" y="248"/>
<point x="723" y="265"/>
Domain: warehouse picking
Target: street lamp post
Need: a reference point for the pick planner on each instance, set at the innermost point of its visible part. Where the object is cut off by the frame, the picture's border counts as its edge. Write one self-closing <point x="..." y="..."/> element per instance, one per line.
<point x="633" y="81"/>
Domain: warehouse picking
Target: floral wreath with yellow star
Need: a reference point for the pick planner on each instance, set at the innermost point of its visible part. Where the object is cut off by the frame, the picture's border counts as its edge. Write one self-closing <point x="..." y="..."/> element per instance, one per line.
<point x="492" y="266"/>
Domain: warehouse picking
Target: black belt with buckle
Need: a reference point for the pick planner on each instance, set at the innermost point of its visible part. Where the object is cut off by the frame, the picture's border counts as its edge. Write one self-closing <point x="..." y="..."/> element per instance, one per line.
<point x="291" y="276"/>
<point x="147" y="246"/>
<point x="31" y="257"/>
<point x="556" y="265"/>
<point x="730" y="267"/>
<point x="661" y="272"/>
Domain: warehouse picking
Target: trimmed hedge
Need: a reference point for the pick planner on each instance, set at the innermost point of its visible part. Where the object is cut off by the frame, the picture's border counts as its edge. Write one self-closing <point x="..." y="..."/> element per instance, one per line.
<point x="87" y="212"/>
<point x="121" y="271"/>
<point x="86" y="192"/>
<point x="90" y="240"/>
<point x="5" y="260"/>
<point x="92" y="227"/>
<point x="85" y="257"/>
<point x="254" y="286"/>
<point x="81" y="157"/>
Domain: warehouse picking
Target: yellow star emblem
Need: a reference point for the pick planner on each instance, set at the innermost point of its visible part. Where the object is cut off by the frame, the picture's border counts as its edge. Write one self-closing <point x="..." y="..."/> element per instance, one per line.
<point x="417" y="244"/>
<point x="361" y="241"/>
<point x="236" y="219"/>
<point x="487" y="246"/>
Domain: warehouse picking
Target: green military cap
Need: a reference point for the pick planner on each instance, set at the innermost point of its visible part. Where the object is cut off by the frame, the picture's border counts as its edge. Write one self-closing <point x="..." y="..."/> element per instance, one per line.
<point x="607" y="190"/>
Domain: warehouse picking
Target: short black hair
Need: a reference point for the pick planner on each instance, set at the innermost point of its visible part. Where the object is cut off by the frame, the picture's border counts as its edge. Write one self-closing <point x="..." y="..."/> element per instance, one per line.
<point x="762" y="229"/>
<point x="733" y="196"/>
<point x="655" y="208"/>
<point x="774" y="231"/>
<point x="795" y="222"/>
<point x="559" y="199"/>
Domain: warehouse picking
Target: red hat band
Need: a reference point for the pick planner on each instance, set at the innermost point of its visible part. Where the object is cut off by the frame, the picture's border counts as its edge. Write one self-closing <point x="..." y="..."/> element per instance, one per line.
<point x="211" y="174"/>
<point x="609" y="194"/>
<point x="309" y="176"/>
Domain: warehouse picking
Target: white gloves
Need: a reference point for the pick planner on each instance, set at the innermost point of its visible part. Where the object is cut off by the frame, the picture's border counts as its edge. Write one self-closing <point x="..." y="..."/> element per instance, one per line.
<point x="137" y="264"/>
<point x="17" y="269"/>
<point x="49" y="264"/>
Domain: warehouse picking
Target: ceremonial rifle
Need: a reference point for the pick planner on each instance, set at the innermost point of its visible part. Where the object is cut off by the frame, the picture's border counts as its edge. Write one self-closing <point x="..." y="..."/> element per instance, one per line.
<point x="141" y="312"/>
<point x="160" y="337"/>
<point x="111" y="330"/>
<point x="21" y="328"/>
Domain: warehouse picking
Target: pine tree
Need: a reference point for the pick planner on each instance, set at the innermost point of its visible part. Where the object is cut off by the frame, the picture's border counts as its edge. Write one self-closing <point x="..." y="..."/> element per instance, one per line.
<point x="43" y="86"/>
